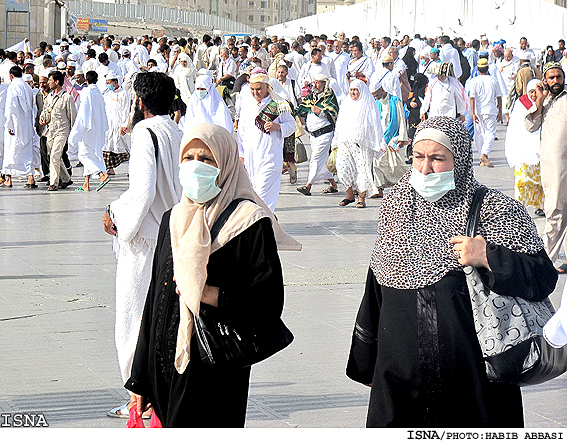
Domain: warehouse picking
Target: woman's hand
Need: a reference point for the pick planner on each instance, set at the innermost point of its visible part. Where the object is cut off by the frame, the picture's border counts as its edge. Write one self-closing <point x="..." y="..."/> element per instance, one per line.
<point x="142" y="404"/>
<point x="470" y="251"/>
<point x="272" y="126"/>
<point x="210" y="295"/>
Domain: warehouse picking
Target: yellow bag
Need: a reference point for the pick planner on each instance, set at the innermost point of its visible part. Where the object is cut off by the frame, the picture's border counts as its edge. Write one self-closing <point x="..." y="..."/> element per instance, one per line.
<point x="332" y="161"/>
<point x="299" y="130"/>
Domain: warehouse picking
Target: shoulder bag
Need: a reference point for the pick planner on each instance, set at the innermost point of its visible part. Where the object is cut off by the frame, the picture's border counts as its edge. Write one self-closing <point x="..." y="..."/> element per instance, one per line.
<point x="222" y="344"/>
<point x="510" y="329"/>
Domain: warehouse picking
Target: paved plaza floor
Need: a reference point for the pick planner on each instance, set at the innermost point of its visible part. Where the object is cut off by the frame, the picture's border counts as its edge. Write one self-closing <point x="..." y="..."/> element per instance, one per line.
<point x="57" y="272"/>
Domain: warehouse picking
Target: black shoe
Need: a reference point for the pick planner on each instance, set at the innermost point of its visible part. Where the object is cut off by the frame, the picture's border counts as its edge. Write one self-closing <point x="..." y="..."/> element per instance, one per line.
<point x="64" y="185"/>
<point x="70" y="171"/>
<point x="44" y="179"/>
<point x="539" y="212"/>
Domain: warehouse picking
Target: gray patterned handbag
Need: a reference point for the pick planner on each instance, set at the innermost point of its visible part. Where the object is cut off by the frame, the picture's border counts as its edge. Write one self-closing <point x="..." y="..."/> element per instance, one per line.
<point x="509" y="329"/>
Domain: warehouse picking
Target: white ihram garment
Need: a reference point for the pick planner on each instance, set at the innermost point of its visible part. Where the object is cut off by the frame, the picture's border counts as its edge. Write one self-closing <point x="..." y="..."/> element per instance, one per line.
<point x="262" y="153"/>
<point x="320" y="146"/>
<point x="117" y="112"/>
<point x="88" y="135"/>
<point x="153" y="189"/>
<point x="3" y="91"/>
<point x="18" y="148"/>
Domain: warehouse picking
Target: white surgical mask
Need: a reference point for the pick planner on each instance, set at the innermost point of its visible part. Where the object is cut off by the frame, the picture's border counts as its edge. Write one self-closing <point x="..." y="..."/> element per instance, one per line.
<point x="432" y="186"/>
<point x="201" y="93"/>
<point x="198" y="180"/>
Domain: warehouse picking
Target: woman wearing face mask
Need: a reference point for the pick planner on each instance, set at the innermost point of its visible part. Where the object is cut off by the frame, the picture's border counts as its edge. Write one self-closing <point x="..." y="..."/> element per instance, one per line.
<point x="414" y="341"/>
<point x="238" y="272"/>
<point x="206" y="106"/>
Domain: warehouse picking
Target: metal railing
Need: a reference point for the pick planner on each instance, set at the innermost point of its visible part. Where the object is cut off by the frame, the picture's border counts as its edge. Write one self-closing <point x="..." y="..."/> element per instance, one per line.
<point x="158" y="15"/>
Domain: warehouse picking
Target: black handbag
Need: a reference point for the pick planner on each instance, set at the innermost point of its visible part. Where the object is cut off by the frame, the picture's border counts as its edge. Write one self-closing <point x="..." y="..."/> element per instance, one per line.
<point x="223" y="344"/>
<point x="510" y="329"/>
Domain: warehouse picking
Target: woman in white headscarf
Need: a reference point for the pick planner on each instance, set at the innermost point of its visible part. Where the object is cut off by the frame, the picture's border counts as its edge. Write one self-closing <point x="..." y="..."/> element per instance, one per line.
<point x="522" y="150"/>
<point x="237" y="275"/>
<point x="206" y="106"/>
<point x="358" y="139"/>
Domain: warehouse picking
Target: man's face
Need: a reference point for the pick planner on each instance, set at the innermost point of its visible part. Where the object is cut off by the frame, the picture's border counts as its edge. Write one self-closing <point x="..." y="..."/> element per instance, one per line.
<point x="274" y="39"/>
<point x="224" y="55"/>
<point x="116" y="47"/>
<point x="234" y="52"/>
<point x="383" y="43"/>
<point x="43" y="84"/>
<point x="341" y="36"/>
<point x="405" y="40"/>
<point x="461" y="44"/>
<point x="523" y="44"/>
<point x="555" y="80"/>
<point x="242" y="53"/>
<point x="184" y="63"/>
<point x="71" y="71"/>
<point x="508" y="55"/>
<point x="281" y="75"/>
<point x="20" y="58"/>
<point x="356" y="53"/>
<point x="255" y="44"/>
<point x="52" y="83"/>
<point x="112" y="82"/>
<point x="37" y="53"/>
<point x="561" y="46"/>
<point x="346" y="48"/>
<point x="393" y="53"/>
<point x="106" y="62"/>
<point x="259" y="91"/>
<point x="337" y="47"/>
<point x="151" y="65"/>
<point x="434" y="56"/>
<point x="318" y="57"/>
<point x="80" y="78"/>
<point x="318" y="86"/>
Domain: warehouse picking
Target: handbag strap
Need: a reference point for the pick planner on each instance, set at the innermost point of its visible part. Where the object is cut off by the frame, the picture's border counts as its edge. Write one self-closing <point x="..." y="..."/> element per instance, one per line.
<point x="155" y="141"/>
<point x="474" y="211"/>
<point x="221" y="220"/>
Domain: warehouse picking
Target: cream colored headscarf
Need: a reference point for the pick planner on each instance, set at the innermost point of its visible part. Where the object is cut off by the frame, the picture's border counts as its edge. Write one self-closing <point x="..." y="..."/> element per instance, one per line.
<point x="190" y="225"/>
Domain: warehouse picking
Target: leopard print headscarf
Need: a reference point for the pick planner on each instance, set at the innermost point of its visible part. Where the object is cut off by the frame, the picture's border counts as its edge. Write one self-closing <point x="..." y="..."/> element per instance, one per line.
<point x="413" y="250"/>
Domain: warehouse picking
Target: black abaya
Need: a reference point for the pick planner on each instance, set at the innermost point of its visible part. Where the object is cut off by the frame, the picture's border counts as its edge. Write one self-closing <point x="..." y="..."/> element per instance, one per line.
<point x="419" y="350"/>
<point x="248" y="272"/>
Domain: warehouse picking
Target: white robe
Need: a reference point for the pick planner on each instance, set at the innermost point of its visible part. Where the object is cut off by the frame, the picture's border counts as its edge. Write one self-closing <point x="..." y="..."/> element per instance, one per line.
<point x="3" y="91"/>
<point x="88" y="134"/>
<point x="113" y="70"/>
<point x="341" y="62"/>
<point x="363" y="64"/>
<point x="117" y="113"/>
<point x="153" y="189"/>
<point x="184" y="79"/>
<point x="262" y="153"/>
<point x="18" y="148"/>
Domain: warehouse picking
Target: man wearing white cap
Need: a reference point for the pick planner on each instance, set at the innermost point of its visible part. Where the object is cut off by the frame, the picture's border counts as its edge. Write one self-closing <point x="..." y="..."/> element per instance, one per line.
<point x="117" y="147"/>
<point x="88" y="135"/>
<point x="184" y="77"/>
<point x="126" y="65"/>
<point x="79" y="82"/>
<point x="486" y="108"/>
<point x="265" y="121"/>
<point x="341" y="61"/>
<point x="64" y="50"/>
<point x="313" y="68"/>
<point x="18" y="130"/>
<point x="319" y="111"/>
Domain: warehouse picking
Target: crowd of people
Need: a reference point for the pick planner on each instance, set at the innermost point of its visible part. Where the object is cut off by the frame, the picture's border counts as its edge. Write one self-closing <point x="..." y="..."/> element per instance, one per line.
<point x="205" y="122"/>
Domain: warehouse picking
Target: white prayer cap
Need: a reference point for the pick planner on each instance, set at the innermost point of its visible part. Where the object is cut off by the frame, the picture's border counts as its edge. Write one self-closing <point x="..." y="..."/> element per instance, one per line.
<point x="110" y="76"/>
<point x="183" y="57"/>
<point x="61" y="65"/>
<point x="71" y="63"/>
<point x="115" y="42"/>
<point x="71" y="57"/>
<point x="79" y="71"/>
<point x="425" y="52"/>
<point x="27" y="78"/>
<point x="288" y="57"/>
<point x="532" y="84"/>
<point x="125" y="51"/>
<point x="28" y="62"/>
<point x="64" y="44"/>
<point x="176" y="48"/>
<point x="483" y="38"/>
<point x="321" y="77"/>
<point x="282" y="63"/>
